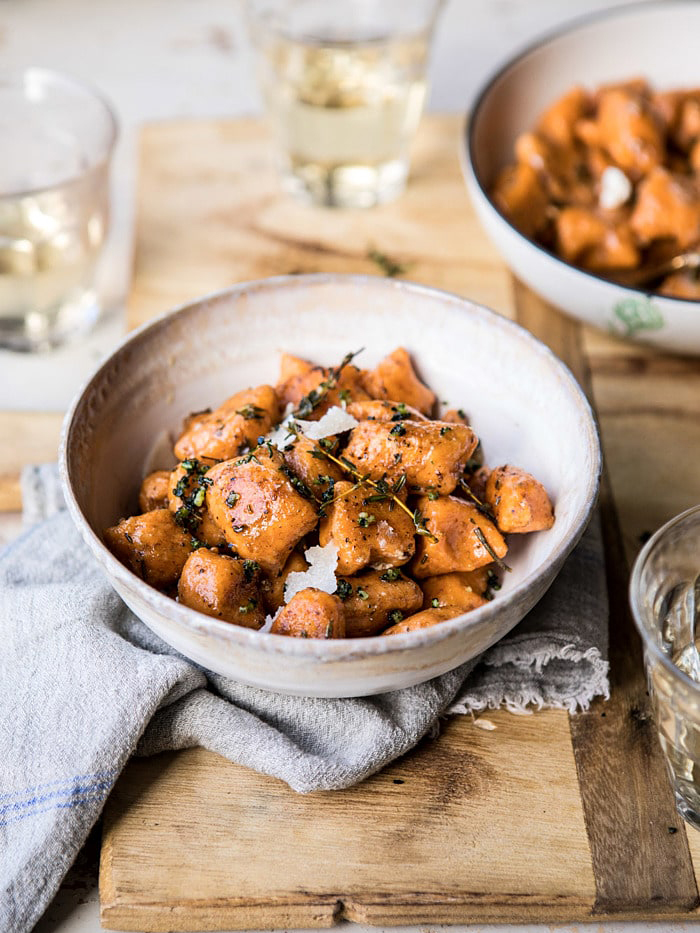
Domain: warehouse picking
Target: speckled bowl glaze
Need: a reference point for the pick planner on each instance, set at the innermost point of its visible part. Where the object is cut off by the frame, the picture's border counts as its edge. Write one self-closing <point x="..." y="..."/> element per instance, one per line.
<point x="657" y="41"/>
<point x="523" y="402"/>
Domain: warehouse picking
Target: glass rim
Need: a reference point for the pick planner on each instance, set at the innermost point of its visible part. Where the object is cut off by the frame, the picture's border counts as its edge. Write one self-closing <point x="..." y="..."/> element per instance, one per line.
<point x="634" y="591"/>
<point x="257" y="18"/>
<point x="18" y="77"/>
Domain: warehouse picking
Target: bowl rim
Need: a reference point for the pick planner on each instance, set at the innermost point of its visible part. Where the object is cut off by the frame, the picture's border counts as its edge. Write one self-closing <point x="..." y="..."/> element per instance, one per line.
<point x="336" y="649"/>
<point x="467" y="145"/>
<point x="633" y="595"/>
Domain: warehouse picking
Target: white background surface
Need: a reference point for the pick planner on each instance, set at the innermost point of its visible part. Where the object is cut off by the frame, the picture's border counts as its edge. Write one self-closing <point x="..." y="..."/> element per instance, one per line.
<point x="158" y="59"/>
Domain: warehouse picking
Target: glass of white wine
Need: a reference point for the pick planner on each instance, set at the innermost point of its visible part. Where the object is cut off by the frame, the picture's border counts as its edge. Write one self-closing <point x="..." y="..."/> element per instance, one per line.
<point x="344" y="86"/>
<point x="57" y="139"/>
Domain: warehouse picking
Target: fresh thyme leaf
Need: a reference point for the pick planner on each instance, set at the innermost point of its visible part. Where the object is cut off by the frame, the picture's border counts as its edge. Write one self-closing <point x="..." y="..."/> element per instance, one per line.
<point x="398" y="430"/>
<point x="247" y="607"/>
<point x="395" y="616"/>
<point x="198" y="497"/>
<point x="433" y="494"/>
<point x="391" y="575"/>
<point x="329" y="630"/>
<point x="365" y="519"/>
<point x="445" y="430"/>
<point x="362" y="593"/>
<point x="196" y="544"/>
<point x="343" y="590"/>
<point x="435" y="602"/>
<point x="250" y="568"/>
<point x="251" y="412"/>
<point x="232" y="498"/>
<point x="312" y="400"/>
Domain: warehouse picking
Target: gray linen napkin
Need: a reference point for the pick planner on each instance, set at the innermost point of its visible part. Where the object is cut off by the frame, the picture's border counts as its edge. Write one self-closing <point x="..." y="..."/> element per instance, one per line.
<point x="84" y="685"/>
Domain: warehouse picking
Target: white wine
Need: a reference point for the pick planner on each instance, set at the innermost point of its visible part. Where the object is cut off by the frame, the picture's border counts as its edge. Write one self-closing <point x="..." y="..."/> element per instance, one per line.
<point x="345" y="113"/>
<point x="49" y="244"/>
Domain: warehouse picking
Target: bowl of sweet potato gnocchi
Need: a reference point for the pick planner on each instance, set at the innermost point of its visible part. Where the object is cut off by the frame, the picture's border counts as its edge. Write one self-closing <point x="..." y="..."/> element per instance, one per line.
<point x="331" y="485"/>
<point x="582" y="157"/>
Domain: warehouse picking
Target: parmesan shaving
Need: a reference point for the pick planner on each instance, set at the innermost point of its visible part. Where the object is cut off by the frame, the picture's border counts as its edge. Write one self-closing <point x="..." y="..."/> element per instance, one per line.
<point x="320" y="573"/>
<point x="269" y="621"/>
<point x="335" y="421"/>
<point x="615" y="188"/>
<point x="281" y="435"/>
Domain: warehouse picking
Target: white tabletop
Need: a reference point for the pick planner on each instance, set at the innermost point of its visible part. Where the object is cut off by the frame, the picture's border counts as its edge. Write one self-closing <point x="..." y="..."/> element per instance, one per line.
<point x="159" y="59"/>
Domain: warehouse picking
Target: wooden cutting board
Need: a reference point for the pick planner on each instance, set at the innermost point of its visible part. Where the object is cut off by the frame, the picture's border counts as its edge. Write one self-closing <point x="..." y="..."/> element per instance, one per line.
<point x="542" y="817"/>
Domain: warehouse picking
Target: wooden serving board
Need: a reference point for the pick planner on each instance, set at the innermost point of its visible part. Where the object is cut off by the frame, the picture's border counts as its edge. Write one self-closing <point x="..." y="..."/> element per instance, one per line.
<point x="545" y="817"/>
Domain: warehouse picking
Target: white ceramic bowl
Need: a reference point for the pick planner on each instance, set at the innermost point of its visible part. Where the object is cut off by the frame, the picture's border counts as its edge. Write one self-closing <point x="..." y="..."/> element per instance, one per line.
<point x="524" y="404"/>
<point x="658" y="41"/>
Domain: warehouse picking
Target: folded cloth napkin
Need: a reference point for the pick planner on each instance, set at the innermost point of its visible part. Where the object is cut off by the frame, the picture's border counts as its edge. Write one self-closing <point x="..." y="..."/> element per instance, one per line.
<point x="84" y="684"/>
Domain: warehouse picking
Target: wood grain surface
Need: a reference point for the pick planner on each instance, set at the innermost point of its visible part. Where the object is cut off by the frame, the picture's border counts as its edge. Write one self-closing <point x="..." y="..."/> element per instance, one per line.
<point x="544" y="817"/>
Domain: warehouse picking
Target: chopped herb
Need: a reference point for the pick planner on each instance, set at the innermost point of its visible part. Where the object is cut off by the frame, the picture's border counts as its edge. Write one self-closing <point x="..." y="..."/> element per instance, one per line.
<point x="344" y="395"/>
<point x="445" y="430"/>
<point x="304" y="634"/>
<point x="395" y="616"/>
<point x="433" y="494"/>
<point x="186" y="518"/>
<point x="390" y="267"/>
<point x="391" y="575"/>
<point x="189" y="465"/>
<point x="362" y="593"/>
<point x="435" y="602"/>
<point x="462" y="414"/>
<point x="329" y="630"/>
<point x="398" y="430"/>
<point x="327" y="443"/>
<point x="343" y="590"/>
<point x="251" y="412"/>
<point x="248" y="607"/>
<point x="196" y="544"/>
<point x="180" y="487"/>
<point x="318" y="455"/>
<point x="247" y="459"/>
<point x="365" y="519"/>
<point x="232" y="498"/>
<point x="128" y="537"/>
<point x="492" y="581"/>
<point x="399" y="484"/>
<point x="250" y="568"/>
<point x="198" y="498"/>
<point x="298" y="484"/>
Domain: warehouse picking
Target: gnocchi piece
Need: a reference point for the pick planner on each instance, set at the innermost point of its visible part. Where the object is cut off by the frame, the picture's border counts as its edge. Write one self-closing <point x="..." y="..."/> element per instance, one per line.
<point x="374" y="599"/>
<point x="667" y="205"/>
<point x="430" y="454"/>
<point x="558" y="121"/>
<point x="154" y="491"/>
<point x="231" y="428"/>
<point x="629" y="129"/>
<point x="152" y="545"/>
<point x="454" y="589"/>
<point x="520" y="194"/>
<point x="466" y="539"/>
<point x="520" y="503"/>
<point x="222" y="587"/>
<point x="395" y="378"/>
<point x="255" y="502"/>
<point x="384" y="410"/>
<point x="311" y="614"/>
<point x="365" y="532"/>
<point x="424" y="619"/>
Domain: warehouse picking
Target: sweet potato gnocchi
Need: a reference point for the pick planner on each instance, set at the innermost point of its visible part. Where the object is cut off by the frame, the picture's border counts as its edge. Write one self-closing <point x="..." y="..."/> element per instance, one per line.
<point x="609" y="180"/>
<point x="332" y="505"/>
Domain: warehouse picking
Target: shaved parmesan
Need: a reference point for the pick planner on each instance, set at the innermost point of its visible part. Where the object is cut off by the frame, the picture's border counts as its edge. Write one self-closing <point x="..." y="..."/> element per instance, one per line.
<point x="269" y="621"/>
<point x="281" y="435"/>
<point x="335" y="421"/>
<point x="615" y="188"/>
<point x="320" y="573"/>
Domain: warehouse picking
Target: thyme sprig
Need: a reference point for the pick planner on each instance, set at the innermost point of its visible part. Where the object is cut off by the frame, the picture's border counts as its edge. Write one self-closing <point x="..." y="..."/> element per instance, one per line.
<point x="494" y="557"/>
<point x="483" y="507"/>
<point x="313" y="399"/>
